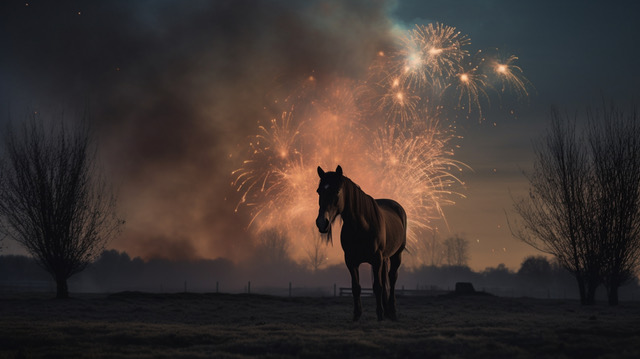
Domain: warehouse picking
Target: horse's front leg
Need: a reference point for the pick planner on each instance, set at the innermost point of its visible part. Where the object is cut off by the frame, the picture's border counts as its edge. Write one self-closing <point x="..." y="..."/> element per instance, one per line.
<point x="377" y="267"/>
<point x="355" y="289"/>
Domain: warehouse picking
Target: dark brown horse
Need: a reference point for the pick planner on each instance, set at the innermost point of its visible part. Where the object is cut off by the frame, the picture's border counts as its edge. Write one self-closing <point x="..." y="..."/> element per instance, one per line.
<point x="373" y="231"/>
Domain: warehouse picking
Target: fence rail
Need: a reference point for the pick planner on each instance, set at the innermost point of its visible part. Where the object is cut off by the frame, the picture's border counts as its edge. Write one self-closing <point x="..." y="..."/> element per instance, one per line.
<point x="366" y="292"/>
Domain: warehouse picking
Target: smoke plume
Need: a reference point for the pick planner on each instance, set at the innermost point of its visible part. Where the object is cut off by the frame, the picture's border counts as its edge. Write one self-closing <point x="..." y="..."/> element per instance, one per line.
<point x="174" y="89"/>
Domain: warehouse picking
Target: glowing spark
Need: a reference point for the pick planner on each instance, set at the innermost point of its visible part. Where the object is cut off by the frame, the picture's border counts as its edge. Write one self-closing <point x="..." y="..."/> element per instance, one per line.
<point x="433" y="51"/>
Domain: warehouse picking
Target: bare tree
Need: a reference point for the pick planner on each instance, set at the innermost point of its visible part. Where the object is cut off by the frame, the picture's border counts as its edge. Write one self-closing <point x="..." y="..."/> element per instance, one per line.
<point x="273" y="246"/>
<point x="53" y="201"/>
<point x="614" y="139"/>
<point x="584" y="203"/>
<point x="456" y="250"/>
<point x="317" y="253"/>
<point x="429" y="249"/>
<point x="556" y="215"/>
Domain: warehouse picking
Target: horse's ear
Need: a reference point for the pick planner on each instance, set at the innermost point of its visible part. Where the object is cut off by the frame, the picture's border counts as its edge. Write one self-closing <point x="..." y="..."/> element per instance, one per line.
<point x="339" y="170"/>
<point x="320" y="172"/>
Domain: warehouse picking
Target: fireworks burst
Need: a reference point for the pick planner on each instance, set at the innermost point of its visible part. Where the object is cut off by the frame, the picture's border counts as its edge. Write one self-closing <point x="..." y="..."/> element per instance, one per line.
<point x="510" y="76"/>
<point x="443" y="50"/>
<point x="470" y="86"/>
<point x="389" y="133"/>
<point x="273" y="153"/>
<point x="418" y="170"/>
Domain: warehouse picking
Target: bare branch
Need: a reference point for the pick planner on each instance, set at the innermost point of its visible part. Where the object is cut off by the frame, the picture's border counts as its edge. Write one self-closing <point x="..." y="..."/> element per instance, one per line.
<point x="53" y="201"/>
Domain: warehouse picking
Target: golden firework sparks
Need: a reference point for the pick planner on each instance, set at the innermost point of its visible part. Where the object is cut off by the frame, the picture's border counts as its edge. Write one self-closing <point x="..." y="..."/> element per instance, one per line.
<point x="387" y="133"/>
<point x="510" y="76"/>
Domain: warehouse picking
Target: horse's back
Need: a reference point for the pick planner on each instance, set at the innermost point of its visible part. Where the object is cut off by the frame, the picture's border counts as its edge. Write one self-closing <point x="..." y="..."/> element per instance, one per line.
<point x="394" y="207"/>
<point x="395" y="223"/>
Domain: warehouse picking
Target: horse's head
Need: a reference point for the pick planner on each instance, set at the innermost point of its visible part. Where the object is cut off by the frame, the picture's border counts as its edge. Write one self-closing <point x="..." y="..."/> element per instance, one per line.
<point x="331" y="198"/>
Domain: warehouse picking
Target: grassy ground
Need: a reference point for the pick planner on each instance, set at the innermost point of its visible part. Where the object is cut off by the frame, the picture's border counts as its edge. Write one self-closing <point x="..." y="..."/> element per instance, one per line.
<point x="135" y="325"/>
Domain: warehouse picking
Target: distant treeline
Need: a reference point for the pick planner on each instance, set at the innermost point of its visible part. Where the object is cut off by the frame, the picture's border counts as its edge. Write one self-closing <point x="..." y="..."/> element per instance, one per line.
<point x="116" y="271"/>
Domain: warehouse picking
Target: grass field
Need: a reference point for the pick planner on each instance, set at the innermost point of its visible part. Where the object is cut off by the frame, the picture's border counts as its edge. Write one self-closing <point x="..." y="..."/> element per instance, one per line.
<point x="138" y="325"/>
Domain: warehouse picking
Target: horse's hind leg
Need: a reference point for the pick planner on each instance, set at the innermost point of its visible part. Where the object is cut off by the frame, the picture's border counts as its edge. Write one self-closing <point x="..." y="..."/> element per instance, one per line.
<point x="395" y="261"/>
<point x="355" y="290"/>
<point x="385" y="283"/>
<point x="377" y="266"/>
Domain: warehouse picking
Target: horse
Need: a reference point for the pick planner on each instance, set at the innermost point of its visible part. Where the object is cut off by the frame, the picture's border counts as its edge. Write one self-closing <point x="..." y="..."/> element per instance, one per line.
<point x="373" y="231"/>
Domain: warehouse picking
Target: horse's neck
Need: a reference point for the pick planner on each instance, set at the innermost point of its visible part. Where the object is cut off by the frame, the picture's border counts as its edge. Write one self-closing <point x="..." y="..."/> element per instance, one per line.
<point x="355" y="203"/>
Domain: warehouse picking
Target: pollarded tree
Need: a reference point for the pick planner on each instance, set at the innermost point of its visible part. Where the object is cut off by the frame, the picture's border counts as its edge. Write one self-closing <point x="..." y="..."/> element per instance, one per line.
<point x="614" y="139"/>
<point x="557" y="215"/>
<point x="53" y="201"/>
<point x="584" y="206"/>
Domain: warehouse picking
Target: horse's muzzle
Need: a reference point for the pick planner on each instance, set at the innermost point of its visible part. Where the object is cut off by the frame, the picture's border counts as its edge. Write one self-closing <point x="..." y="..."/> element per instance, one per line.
<point x="322" y="224"/>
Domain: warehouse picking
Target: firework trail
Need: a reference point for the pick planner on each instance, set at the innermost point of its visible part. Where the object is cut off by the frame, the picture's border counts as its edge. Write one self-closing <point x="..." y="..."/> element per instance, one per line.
<point x="389" y="132"/>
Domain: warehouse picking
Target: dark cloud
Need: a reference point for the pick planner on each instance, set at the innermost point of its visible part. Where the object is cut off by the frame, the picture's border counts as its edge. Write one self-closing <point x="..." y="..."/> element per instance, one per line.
<point x="174" y="89"/>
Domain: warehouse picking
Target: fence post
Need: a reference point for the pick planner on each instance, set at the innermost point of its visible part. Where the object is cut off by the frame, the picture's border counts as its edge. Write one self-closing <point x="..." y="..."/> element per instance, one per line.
<point x="216" y="286"/>
<point x="185" y="286"/>
<point x="289" y="289"/>
<point x="249" y="287"/>
<point x="334" y="289"/>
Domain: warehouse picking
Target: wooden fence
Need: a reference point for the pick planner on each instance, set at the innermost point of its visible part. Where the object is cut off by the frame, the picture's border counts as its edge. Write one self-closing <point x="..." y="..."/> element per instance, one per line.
<point x="401" y="292"/>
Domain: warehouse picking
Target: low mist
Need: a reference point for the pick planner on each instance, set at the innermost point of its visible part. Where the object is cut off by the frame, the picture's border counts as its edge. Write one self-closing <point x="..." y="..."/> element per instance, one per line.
<point x="116" y="271"/>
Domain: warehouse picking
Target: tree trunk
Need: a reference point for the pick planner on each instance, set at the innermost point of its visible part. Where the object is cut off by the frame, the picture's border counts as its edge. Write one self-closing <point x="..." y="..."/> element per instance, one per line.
<point x="591" y="292"/>
<point x="612" y="294"/>
<point x="62" y="288"/>
<point x="582" y="289"/>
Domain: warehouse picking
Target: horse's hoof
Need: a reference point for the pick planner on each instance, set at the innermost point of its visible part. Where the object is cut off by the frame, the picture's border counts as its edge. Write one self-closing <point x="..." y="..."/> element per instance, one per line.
<point x="356" y="316"/>
<point x="391" y="315"/>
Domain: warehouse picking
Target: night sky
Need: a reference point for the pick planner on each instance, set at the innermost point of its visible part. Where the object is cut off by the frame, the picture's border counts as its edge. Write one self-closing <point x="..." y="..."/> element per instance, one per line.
<point x="175" y="88"/>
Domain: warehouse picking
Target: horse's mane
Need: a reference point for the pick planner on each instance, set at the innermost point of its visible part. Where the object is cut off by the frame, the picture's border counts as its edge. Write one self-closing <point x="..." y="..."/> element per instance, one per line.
<point x="357" y="204"/>
<point x="360" y="203"/>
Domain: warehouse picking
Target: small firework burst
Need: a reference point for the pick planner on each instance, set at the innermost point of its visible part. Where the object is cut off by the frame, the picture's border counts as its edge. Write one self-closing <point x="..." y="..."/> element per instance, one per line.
<point x="510" y="76"/>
